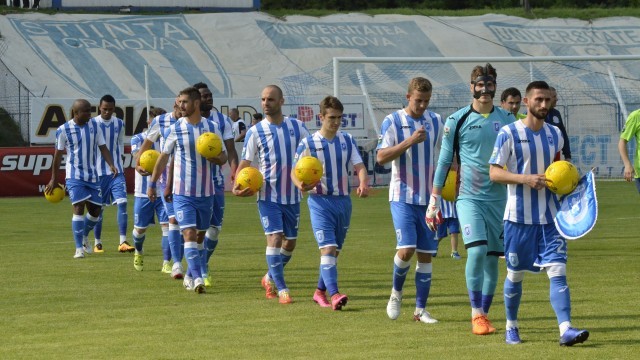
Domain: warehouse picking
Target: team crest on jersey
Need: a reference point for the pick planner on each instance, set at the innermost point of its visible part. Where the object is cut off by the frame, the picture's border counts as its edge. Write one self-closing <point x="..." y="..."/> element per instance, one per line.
<point x="467" y="230"/>
<point x="446" y="131"/>
<point x="180" y="215"/>
<point x="496" y="126"/>
<point x="550" y="139"/>
<point x="320" y="235"/>
<point x="427" y="127"/>
<point x="513" y="259"/>
<point x="344" y="146"/>
<point x="398" y="235"/>
<point x="291" y="132"/>
<point x="379" y="139"/>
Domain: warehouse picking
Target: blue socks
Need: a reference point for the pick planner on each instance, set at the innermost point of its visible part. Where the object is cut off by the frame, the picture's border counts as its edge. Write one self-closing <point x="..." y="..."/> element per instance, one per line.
<point x="94" y="224"/>
<point x="285" y="256"/>
<point x="77" y="226"/>
<point x="138" y="240"/>
<point x="166" y="250"/>
<point x="400" y="270"/>
<point x="329" y="273"/>
<point x="123" y="219"/>
<point x="560" y="298"/>
<point x="423" y="284"/>
<point x="193" y="258"/>
<point x="91" y="222"/>
<point x="175" y="242"/>
<point x="512" y="296"/>
<point x="276" y="269"/>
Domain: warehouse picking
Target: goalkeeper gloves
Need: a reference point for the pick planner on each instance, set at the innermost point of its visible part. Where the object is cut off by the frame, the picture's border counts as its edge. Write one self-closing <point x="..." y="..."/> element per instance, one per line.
<point x="434" y="216"/>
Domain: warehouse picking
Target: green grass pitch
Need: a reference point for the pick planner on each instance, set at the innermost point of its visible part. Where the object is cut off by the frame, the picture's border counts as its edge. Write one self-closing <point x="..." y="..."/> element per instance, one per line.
<point x="56" y="307"/>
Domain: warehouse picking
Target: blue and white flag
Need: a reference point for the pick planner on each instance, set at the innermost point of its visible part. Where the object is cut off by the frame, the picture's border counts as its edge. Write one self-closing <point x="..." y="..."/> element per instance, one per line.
<point x="578" y="210"/>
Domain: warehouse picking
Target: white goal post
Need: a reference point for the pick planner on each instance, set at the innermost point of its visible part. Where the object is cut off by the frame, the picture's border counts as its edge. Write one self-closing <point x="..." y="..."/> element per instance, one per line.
<point x="594" y="92"/>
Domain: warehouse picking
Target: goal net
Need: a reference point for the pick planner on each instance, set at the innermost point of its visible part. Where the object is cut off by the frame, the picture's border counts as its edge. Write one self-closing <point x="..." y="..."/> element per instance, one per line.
<point x="595" y="95"/>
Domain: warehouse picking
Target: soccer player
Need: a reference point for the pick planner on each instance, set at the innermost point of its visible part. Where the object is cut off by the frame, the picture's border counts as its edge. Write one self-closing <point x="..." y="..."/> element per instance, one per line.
<point x="274" y="140"/>
<point x="531" y="240"/>
<point x="554" y="118"/>
<point x="113" y="186"/>
<point x="450" y="226"/>
<point x="192" y="184"/>
<point x="144" y="210"/>
<point x="630" y="130"/>
<point x="226" y="128"/>
<point x="82" y="139"/>
<point x="469" y="134"/>
<point x="408" y="140"/>
<point x="329" y="201"/>
<point x="159" y="129"/>
<point x="510" y="100"/>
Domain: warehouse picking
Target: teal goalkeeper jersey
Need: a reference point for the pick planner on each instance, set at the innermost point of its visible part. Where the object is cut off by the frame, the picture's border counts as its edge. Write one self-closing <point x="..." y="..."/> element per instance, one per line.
<point x="476" y="139"/>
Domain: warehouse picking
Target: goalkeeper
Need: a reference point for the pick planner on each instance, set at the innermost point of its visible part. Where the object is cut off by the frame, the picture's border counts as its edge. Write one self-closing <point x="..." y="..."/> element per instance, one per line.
<point x="470" y="133"/>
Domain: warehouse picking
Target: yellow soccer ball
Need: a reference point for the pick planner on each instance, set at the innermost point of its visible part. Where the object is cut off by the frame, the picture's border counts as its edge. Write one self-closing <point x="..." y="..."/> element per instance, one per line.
<point x="56" y="195"/>
<point x="309" y="170"/>
<point x="148" y="160"/>
<point x="209" y="145"/>
<point x="249" y="177"/>
<point x="449" y="189"/>
<point x="562" y="177"/>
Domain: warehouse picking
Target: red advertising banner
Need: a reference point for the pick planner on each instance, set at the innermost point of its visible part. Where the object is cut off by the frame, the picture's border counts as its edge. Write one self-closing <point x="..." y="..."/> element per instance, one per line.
<point x="24" y="171"/>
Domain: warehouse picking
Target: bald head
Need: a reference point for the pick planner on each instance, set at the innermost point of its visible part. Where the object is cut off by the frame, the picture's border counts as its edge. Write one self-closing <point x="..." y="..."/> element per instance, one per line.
<point x="81" y="111"/>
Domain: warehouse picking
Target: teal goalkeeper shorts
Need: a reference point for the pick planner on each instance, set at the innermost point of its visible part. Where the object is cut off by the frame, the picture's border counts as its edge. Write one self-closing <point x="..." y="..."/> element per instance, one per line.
<point x="481" y="224"/>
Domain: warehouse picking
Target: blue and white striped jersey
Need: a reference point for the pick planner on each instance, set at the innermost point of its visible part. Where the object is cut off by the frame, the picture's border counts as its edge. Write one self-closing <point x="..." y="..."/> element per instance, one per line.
<point x="113" y="134"/>
<point x="524" y="151"/>
<point x="81" y="144"/>
<point x="338" y="156"/>
<point x="275" y="147"/>
<point x="411" y="172"/>
<point x="159" y="129"/>
<point x="448" y="209"/>
<point x="191" y="171"/>
<point x="141" y="182"/>
<point x="226" y="128"/>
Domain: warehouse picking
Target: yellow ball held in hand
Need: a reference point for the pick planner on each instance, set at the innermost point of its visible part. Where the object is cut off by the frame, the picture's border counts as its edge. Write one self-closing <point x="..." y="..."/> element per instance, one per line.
<point x="209" y="145"/>
<point x="249" y="177"/>
<point x="148" y="160"/>
<point x="449" y="188"/>
<point x="309" y="170"/>
<point x="562" y="177"/>
<point x="56" y="195"/>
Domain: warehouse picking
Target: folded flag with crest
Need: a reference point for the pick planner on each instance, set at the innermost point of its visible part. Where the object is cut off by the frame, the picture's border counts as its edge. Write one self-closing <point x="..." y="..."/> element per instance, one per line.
<point x="578" y="210"/>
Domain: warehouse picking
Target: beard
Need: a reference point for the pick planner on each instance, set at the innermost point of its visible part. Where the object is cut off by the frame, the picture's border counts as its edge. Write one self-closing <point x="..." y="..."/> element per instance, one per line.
<point x="206" y="107"/>
<point x="539" y="113"/>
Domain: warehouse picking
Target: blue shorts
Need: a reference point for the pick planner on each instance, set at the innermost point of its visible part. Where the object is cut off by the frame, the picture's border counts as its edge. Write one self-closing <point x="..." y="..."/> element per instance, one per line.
<point x="143" y="211"/>
<point x="637" y="182"/>
<point x="279" y="218"/>
<point x="481" y="224"/>
<point x="80" y="190"/>
<point x="114" y="189"/>
<point x="218" y="207"/>
<point x="168" y="206"/>
<point x="411" y="228"/>
<point x="448" y="226"/>
<point x="330" y="219"/>
<point x="532" y="247"/>
<point x="193" y="212"/>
